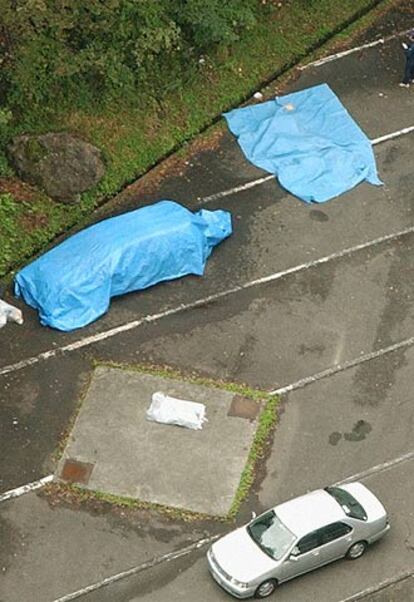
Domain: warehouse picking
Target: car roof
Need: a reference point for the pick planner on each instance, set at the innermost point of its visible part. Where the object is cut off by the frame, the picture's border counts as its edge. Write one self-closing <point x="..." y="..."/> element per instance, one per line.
<point x="308" y="512"/>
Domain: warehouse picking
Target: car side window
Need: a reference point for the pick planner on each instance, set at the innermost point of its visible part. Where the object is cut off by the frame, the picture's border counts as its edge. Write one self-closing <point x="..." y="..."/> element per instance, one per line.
<point x="334" y="531"/>
<point x="308" y="543"/>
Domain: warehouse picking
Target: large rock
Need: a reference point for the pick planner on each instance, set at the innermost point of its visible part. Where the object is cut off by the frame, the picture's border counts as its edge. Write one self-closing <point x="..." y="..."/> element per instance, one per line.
<point x="62" y="165"/>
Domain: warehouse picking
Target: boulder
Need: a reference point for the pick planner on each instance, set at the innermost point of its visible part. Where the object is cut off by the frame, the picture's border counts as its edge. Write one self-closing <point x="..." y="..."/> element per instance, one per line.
<point x="59" y="163"/>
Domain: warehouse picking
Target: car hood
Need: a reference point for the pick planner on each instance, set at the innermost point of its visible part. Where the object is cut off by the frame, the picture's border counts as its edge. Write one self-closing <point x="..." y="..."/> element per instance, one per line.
<point x="369" y="502"/>
<point x="239" y="556"/>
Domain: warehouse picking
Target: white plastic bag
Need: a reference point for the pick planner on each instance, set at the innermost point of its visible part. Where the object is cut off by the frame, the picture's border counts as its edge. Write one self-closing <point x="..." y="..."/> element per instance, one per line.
<point x="9" y="313"/>
<point x="170" y="410"/>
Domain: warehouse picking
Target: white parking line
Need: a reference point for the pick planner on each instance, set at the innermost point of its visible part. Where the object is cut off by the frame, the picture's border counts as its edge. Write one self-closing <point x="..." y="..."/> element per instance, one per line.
<point x="307" y="380"/>
<point x="235" y="190"/>
<point x="392" y="135"/>
<point x="137" y="569"/>
<point x="97" y="338"/>
<point x="378" y="468"/>
<point x="18" y="491"/>
<point x="381" y="585"/>
<point x="340" y="55"/>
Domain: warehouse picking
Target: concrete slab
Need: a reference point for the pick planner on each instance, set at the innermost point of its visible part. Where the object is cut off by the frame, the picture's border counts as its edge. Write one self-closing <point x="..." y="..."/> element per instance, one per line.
<point x="162" y="464"/>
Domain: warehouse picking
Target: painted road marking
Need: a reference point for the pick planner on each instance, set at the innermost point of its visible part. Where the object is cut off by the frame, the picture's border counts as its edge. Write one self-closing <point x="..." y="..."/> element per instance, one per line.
<point x="97" y="338"/>
<point x="378" y="468"/>
<point x="377" y="588"/>
<point x="13" y="493"/>
<point x="235" y="190"/>
<point x="340" y="55"/>
<point x="307" y="380"/>
<point x="138" y="569"/>
<point x="392" y="135"/>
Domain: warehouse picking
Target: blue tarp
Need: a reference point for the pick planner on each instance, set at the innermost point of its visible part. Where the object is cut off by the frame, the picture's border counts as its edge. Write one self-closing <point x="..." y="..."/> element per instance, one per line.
<point x="72" y="284"/>
<point x="309" y="140"/>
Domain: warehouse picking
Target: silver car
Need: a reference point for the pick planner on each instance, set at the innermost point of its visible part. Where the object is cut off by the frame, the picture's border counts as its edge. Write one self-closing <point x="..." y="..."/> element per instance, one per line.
<point x="296" y="537"/>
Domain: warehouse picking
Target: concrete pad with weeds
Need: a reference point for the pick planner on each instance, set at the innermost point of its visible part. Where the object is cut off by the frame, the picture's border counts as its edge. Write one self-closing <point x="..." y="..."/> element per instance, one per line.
<point x="114" y="450"/>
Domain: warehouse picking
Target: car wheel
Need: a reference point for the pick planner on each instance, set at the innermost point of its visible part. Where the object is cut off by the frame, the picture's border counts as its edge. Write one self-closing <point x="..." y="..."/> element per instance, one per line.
<point x="266" y="588"/>
<point x="356" y="550"/>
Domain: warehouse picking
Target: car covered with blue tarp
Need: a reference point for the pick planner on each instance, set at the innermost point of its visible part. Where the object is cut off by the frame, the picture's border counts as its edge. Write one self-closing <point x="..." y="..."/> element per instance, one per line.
<point x="72" y="284"/>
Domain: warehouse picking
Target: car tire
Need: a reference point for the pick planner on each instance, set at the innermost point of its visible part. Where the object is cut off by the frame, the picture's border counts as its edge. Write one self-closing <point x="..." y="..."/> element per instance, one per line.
<point x="356" y="550"/>
<point x="266" y="588"/>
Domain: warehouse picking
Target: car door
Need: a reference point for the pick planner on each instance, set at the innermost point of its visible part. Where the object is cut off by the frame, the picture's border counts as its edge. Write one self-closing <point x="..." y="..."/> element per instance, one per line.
<point x="335" y="540"/>
<point x="304" y="557"/>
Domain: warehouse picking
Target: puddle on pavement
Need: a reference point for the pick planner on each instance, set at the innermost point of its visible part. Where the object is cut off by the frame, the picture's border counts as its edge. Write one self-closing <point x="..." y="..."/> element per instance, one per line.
<point x="318" y="216"/>
<point x="359" y="432"/>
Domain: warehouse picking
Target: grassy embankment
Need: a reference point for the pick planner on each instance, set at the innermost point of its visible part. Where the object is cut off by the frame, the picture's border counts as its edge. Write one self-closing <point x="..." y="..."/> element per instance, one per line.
<point x="134" y="138"/>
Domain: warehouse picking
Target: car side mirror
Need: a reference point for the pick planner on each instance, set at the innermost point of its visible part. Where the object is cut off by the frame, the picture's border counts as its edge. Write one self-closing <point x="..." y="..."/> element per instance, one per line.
<point x="254" y="515"/>
<point x="294" y="554"/>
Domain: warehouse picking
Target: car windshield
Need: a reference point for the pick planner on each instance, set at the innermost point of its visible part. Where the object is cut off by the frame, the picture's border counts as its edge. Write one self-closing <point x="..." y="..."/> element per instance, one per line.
<point x="347" y="502"/>
<point x="271" y="535"/>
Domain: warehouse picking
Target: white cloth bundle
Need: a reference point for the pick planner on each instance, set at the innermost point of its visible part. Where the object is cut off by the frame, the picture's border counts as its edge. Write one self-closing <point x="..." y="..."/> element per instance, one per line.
<point x="170" y="410"/>
<point x="9" y="313"/>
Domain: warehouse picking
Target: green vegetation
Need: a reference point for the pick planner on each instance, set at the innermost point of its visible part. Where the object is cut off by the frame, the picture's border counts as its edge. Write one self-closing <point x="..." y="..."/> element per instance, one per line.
<point x="168" y="372"/>
<point x="75" y="496"/>
<point x="65" y="434"/>
<point x="266" y="424"/>
<point x="76" y="52"/>
<point x="137" y="79"/>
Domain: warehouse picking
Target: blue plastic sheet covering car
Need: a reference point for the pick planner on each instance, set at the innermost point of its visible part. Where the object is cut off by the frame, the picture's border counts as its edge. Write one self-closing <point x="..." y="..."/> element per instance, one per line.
<point x="72" y="284"/>
<point x="309" y="140"/>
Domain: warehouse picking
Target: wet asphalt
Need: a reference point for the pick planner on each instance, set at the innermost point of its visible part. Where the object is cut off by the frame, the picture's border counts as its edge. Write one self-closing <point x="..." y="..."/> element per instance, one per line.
<point x="268" y="336"/>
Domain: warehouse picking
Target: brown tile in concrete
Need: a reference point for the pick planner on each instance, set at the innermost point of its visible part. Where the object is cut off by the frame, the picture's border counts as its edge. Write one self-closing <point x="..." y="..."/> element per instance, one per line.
<point x="242" y="407"/>
<point x="74" y="471"/>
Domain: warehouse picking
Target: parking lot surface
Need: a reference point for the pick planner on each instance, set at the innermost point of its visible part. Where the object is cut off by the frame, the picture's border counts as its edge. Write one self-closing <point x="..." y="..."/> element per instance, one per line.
<point x="315" y="302"/>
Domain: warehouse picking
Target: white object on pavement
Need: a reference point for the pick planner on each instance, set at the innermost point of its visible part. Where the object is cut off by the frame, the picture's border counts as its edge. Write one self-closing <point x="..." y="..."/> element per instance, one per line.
<point x="170" y="410"/>
<point x="9" y="313"/>
<point x="258" y="95"/>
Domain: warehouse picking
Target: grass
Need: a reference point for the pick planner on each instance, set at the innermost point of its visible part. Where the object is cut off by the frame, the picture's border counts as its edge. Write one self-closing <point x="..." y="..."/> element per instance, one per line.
<point x="266" y="424"/>
<point x="133" y="138"/>
<point x="193" y="378"/>
<point x="65" y="434"/>
<point x="76" y="495"/>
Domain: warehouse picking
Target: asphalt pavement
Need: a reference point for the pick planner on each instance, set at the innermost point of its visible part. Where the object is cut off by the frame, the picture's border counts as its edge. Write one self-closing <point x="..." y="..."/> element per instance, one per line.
<point x="313" y="301"/>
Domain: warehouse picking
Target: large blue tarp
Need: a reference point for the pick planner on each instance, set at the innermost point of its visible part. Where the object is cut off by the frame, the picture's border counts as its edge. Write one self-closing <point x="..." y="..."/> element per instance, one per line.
<point x="308" y="140"/>
<point x="72" y="284"/>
